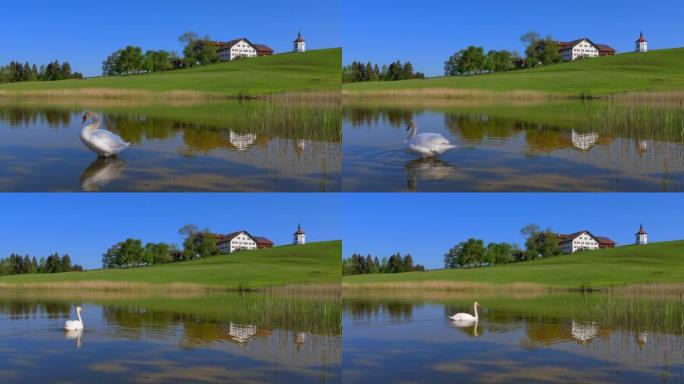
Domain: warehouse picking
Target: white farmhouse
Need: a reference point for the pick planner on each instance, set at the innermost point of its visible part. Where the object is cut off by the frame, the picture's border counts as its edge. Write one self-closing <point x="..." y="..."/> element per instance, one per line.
<point x="236" y="241"/>
<point x="299" y="237"/>
<point x="235" y="49"/>
<point x="576" y="49"/>
<point x="300" y="43"/>
<point x="583" y="240"/>
<point x="642" y="44"/>
<point x="641" y="236"/>
<point x="238" y="48"/>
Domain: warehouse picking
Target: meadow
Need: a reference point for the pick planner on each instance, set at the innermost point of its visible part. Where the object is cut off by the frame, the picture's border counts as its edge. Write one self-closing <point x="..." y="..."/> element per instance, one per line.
<point x="653" y="264"/>
<point x="317" y="70"/>
<point x="655" y="71"/>
<point x="311" y="264"/>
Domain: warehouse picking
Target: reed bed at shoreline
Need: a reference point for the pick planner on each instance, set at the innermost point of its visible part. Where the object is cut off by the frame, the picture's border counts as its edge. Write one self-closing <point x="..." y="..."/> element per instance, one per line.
<point x="450" y="94"/>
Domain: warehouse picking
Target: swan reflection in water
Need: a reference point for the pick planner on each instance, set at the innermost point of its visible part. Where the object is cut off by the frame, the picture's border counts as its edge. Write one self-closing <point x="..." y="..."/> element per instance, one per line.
<point x="469" y="327"/>
<point x="74" y="335"/>
<point x="429" y="169"/>
<point x="102" y="172"/>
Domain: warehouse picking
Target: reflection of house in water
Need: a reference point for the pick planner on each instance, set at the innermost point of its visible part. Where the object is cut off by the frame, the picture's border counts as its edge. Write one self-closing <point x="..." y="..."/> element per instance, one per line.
<point x="584" y="141"/>
<point x="300" y="339"/>
<point x="242" y="333"/>
<point x="242" y="141"/>
<point x="584" y="331"/>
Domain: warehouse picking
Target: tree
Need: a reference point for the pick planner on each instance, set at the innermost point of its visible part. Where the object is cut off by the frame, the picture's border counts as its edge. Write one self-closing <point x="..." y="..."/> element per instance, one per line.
<point x="198" y="244"/>
<point x="499" y="253"/>
<point x="196" y="50"/>
<point x="540" y="51"/>
<point x="125" y="254"/>
<point x="467" y="254"/>
<point x="540" y="244"/>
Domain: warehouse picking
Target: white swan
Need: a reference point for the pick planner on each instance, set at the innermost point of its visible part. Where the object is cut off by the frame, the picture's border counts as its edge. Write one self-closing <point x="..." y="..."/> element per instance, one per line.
<point x="74" y="325"/>
<point x="467" y="317"/>
<point x="426" y="144"/>
<point x="104" y="143"/>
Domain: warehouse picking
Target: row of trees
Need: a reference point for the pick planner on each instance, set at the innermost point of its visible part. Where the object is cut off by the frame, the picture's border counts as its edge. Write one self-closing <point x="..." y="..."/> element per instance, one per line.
<point x="18" y="265"/>
<point x="357" y="72"/>
<point x="17" y="72"/>
<point x="473" y="252"/>
<point x="360" y="265"/>
<point x="132" y="61"/>
<point x="474" y="61"/>
<point x="132" y="254"/>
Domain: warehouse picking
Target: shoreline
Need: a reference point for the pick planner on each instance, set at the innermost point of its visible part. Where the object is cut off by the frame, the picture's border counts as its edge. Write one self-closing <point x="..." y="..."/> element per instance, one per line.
<point x="443" y="286"/>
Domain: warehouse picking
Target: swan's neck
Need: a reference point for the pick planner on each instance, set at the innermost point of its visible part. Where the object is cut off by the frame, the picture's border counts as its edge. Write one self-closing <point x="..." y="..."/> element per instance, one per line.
<point x="78" y="313"/>
<point x="413" y="133"/>
<point x="94" y="125"/>
<point x="475" y="310"/>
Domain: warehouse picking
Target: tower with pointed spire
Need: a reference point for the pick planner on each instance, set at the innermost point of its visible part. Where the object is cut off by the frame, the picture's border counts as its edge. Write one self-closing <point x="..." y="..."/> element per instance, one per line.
<point x="299" y="236"/>
<point x="641" y="236"/>
<point x="642" y="44"/>
<point x="300" y="43"/>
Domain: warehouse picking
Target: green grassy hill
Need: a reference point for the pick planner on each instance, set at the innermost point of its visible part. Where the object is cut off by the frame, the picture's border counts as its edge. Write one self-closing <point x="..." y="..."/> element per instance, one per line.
<point x="308" y="264"/>
<point x="653" y="263"/>
<point x="313" y="70"/>
<point x="661" y="70"/>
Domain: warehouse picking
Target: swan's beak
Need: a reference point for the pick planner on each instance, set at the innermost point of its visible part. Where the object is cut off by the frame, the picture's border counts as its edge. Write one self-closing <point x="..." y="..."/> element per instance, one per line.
<point x="85" y="118"/>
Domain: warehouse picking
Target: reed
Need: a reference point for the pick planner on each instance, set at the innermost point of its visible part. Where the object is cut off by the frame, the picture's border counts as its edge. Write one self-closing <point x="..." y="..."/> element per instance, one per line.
<point x="449" y="94"/>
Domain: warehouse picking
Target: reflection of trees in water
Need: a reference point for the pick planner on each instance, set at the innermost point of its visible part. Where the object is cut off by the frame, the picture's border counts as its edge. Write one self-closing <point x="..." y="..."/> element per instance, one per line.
<point x="20" y="117"/>
<point x="31" y="309"/>
<point x="479" y="127"/>
<point x="397" y="118"/>
<point x="396" y="310"/>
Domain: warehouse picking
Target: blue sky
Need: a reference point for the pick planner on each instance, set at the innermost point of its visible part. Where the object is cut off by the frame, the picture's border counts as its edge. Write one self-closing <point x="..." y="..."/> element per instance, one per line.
<point x="85" y="32"/>
<point x="429" y="31"/>
<point x="427" y="225"/>
<point x="84" y="225"/>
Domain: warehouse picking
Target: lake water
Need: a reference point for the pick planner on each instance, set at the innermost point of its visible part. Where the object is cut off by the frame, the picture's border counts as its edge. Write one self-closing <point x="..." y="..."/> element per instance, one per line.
<point x="549" y="147"/>
<point x="544" y="339"/>
<point x="220" y="146"/>
<point x="211" y="339"/>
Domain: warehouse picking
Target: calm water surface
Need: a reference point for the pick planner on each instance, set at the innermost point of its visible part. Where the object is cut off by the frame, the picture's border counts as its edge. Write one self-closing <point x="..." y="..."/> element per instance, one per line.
<point x="217" y="147"/>
<point x="573" y="148"/>
<point x="219" y="339"/>
<point x="567" y="339"/>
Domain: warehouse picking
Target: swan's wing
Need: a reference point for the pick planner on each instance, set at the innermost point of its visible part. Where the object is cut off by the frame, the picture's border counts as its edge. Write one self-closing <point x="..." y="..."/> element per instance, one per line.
<point x="108" y="139"/>
<point x="431" y="140"/>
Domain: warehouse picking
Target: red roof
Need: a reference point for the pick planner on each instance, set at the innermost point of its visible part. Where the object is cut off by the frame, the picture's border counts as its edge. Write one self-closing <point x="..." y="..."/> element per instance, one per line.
<point x="641" y="38"/>
<point x="263" y="241"/>
<point x="300" y="39"/>
<point x="299" y="231"/>
<point x="563" y="45"/>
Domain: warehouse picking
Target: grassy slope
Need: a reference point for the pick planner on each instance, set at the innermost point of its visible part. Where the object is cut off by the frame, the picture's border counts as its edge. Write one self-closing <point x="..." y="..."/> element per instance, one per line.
<point x="313" y="70"/>
<point x="311" y="263"/>
<point x="654" y="263"/>
<point x="660" y="70"/>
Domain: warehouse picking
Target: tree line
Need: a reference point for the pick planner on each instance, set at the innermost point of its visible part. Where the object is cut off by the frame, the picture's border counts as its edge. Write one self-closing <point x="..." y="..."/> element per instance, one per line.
<point x="18" y="265"/>
<point x="132" y="61"/>
<point x="131" y="253"/>
<point x="473" y="253"/>
<point x="360" y="265"/>
<point x="358" y="71"/>
<point x="17" y="72"/>
<point x="473" y="60"/>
